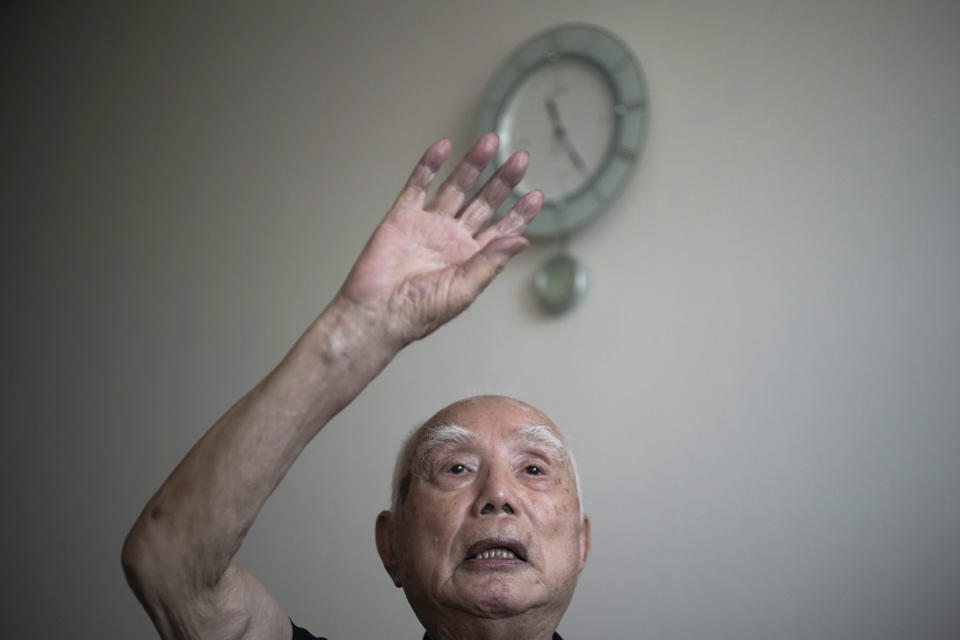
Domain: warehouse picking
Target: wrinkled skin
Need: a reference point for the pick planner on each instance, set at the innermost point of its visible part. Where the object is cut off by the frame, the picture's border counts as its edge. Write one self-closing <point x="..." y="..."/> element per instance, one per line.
<point x="457" y="497"/>
<point x="427" y="261"/>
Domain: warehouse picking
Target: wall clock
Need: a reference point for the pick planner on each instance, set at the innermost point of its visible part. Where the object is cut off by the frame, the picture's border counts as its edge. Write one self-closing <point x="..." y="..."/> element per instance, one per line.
<point x="575" y="98"/>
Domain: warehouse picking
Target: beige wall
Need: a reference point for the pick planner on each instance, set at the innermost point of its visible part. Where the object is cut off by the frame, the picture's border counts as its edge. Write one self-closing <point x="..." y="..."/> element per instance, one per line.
<point x="762" y="385"/>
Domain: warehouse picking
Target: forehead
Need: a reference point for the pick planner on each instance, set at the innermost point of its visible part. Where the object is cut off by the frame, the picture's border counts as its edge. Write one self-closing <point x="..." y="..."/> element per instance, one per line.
<point x="491" y="418"/>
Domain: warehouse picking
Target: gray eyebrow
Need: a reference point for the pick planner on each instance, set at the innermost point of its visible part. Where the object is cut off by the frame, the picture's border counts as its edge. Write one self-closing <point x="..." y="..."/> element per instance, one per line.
<point x="441" y="436"/>
<point x="448" y="434"/>
<point x="544" y="435"/>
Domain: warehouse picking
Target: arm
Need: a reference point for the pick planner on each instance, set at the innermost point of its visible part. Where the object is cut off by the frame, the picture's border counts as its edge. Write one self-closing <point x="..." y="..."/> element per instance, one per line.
<point x="425" y="263"/>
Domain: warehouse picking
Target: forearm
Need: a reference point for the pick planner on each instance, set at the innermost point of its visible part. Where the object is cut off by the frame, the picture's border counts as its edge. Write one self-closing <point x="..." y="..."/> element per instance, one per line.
<point x="197" y="520"/>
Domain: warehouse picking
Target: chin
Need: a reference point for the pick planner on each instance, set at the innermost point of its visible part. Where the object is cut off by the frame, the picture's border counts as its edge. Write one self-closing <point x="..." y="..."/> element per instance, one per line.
<point x="498" y="598"/>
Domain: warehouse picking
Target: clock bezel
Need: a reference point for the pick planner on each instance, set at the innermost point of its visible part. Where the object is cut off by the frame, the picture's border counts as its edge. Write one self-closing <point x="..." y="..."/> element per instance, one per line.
<point x="624" y="76"/>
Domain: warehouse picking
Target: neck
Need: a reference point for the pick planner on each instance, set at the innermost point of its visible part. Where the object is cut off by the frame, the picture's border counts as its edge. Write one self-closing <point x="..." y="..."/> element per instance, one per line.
<point x="516" y="628"/>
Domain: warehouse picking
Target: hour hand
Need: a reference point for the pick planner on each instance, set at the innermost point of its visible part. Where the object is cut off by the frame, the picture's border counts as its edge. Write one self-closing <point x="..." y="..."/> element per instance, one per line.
<point x="561" y="134"/>
<point x="551" y="106"/>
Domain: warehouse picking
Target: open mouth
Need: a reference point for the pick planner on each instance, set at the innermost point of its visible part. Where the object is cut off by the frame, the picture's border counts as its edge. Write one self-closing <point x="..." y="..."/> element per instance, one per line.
<point x="496" y="551"/>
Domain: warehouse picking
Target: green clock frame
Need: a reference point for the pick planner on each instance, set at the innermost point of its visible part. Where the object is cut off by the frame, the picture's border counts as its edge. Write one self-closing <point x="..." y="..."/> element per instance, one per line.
<point x="617" y="64"/>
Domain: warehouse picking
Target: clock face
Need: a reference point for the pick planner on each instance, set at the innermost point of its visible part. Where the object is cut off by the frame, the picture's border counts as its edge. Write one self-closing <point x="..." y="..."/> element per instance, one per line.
<point x="563" y="115"/>
<point x="576" y="100"/>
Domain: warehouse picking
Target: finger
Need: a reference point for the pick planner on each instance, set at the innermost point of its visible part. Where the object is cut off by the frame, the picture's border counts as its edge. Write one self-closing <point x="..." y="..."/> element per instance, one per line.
<point x="516" y="221"/>
<point x="453" y="191"/>
<point x="495" y="191"/>
<point x="474" y="276"/>
<point x="414" y="192"/>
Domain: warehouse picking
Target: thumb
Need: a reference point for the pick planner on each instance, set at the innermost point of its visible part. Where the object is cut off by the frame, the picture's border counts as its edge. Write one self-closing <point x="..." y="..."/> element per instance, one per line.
<point x="479" y="271"/>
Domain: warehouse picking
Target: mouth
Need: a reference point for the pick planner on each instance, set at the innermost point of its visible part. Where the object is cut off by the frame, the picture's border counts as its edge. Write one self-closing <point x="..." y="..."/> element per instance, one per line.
<point x="496" y="552"/>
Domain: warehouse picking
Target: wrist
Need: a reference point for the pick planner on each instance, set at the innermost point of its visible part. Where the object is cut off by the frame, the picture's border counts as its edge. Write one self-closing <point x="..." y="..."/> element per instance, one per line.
<point x="349" y="335"/>
<point x="335" y="358"/>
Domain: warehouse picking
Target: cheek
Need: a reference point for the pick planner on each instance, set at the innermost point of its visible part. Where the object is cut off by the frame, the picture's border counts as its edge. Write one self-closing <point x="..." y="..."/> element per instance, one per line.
<point x="432" y="521"/>
<point x="430" y="527"/>
<point x="564" y="512"/>
<point x="567" y="500"/>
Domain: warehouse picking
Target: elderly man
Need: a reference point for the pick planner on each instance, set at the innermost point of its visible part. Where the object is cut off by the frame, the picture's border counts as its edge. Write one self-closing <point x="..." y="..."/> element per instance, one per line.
<point x="485" y="534"/>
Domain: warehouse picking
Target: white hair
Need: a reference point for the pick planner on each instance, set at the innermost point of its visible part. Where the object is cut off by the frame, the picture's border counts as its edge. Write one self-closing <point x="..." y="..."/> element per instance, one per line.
<point x="544" y="435"/>
<point x="446" y="434"/>
<point x="441" y="436"/>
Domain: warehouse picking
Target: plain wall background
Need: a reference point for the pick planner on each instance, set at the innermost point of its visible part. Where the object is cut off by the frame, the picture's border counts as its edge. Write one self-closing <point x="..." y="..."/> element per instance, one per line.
<point x="762" y="386"/>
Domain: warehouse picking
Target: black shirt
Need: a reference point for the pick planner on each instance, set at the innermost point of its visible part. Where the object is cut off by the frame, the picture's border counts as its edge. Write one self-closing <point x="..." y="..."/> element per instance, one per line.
<point x="302" y="634"/>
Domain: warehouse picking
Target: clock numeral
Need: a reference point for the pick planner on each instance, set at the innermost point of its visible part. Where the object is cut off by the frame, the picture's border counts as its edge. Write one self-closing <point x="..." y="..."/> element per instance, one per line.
<point x="591" y="42"/>
<point x="555" y="47"/>
<point x="621" y="63"/>
<point x="621" y="110"/>
<point x="603" y="200"/>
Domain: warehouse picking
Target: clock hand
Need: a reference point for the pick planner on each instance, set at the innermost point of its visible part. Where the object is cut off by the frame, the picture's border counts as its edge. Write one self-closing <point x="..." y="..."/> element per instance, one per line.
<point x="551" y="106"/>
<point x="574" y="156"/>
<point x="561" y="134"/>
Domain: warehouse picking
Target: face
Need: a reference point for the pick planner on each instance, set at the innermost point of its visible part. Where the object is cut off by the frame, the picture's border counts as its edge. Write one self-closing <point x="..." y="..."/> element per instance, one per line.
<point x="491" y="525"/>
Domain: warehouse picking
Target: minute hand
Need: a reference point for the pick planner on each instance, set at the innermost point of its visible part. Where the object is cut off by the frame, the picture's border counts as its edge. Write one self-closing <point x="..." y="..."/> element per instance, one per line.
<point x="561" y="134"/>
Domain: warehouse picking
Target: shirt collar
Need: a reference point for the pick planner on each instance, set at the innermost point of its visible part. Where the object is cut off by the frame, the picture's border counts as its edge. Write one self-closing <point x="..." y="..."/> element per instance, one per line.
<point x="556" y="636"/>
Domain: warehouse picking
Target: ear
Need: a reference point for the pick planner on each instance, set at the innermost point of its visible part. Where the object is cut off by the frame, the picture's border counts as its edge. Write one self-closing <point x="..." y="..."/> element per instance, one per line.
<point x="584" y="542"/>
<point x="384" y="535"/>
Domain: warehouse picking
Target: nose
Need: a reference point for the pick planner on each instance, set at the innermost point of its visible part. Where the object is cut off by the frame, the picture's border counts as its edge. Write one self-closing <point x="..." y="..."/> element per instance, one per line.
<point x="487" y="508"/>
<point x="496" y="493"/>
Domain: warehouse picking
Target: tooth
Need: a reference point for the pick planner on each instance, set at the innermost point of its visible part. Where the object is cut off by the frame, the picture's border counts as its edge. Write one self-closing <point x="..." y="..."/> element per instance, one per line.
<point x="495" y="553"/>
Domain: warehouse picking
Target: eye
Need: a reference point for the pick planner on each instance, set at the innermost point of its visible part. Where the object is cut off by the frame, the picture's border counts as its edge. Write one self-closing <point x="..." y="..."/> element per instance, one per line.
<point x="532" y="470"/>
<point x="457" y="469"/>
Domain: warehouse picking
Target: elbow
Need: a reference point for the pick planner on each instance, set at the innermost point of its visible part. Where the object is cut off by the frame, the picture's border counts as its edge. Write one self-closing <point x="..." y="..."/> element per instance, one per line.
<point x="135" y="558"/>
<point x="149" y="575"/>
<point x="132" y="553"/>
<point x="146" y="578"/>
<point x="145" y="556"/>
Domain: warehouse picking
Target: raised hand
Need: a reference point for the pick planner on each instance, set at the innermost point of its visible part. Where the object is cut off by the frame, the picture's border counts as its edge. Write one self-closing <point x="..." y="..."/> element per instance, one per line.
<point x="427" y="261"/>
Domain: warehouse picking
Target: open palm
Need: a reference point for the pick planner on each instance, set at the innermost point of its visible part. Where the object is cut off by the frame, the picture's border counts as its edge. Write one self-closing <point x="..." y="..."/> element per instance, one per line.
<point x="427" y="261"/>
